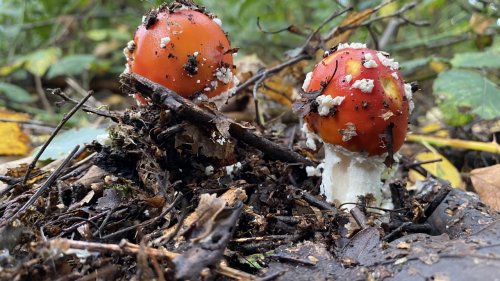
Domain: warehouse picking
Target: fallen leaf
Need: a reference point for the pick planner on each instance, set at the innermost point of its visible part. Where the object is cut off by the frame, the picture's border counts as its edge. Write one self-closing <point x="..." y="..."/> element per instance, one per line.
<point x="486" y="182"/>
<point x="480" y="23"/>
<point x="14" y="141"/>
<point x="443" y="169"/>
<point x="201" y="221"/>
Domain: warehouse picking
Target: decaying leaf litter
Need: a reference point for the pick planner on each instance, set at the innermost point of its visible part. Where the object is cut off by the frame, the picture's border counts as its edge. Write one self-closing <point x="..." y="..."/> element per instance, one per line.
<point x="183" y="192"/>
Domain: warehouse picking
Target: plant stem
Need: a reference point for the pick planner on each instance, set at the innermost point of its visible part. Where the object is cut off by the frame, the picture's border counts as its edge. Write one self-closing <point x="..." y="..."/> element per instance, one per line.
<point x="491" y="147"/>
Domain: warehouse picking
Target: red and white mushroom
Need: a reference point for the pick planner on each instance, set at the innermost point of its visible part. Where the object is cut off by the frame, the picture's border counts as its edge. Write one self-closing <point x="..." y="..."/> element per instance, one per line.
<point x="358" y="106"/>
<point x="185" y="49"/>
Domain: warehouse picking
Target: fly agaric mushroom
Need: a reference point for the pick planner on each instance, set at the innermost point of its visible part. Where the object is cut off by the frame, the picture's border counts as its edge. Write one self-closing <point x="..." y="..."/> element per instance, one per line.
<point x="185" y="49"/>
<point x="358" y="106"/>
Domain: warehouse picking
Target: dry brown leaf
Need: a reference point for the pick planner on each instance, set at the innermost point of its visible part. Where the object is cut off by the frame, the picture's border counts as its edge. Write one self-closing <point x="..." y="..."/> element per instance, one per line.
<point x="94" y="175"/>
<point x="352" y="18"/>
<point x="480" y="23"/>
<point x="208" y="208"/>
<point x="215" y="146"/>
<point x="13" y="141"/>
<point x="486" y="182"/>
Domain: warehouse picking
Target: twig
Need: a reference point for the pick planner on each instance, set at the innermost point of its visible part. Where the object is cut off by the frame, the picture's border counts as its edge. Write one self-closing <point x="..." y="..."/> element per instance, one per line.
<point x="291" y="28"/>
<point x="256" y="101"/>
<point x="322" y="205"/>
<point x="109" y="114"/>
<point x="438" y="198"/>
<point x="42" y="95"/>
<point x="239" y="275"/>
<point x="56" y="130"/>
<point x="414" y="164"/>
<point x="318" y="29"/>
<point x="191" y="112"/>
<point x="396" y="231"/>
<point x="291" y="259"/>
<point x="146" y="223"/>
<point x="270" y="71"/>
<point x="46" y="184"/>
<point x="359" y="217"/>
<point x="123" y="247"/>
<point x="16" y="181"/>
<point x="28" y="122"/>
<point x="398" y="13"/>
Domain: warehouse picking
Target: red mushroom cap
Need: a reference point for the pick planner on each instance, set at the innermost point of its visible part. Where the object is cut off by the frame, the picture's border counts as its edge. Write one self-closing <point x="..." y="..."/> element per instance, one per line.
<point x="183" y="49"/>
<point x="374" y="108"/>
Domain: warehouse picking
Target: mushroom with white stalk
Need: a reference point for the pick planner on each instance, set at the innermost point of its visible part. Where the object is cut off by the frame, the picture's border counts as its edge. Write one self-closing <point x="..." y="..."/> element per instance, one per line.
<point x="357" y="104"/>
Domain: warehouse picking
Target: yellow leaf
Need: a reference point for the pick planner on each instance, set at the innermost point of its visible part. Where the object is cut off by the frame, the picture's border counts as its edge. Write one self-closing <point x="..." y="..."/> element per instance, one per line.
<point x="443" y="169"/>
<point x="13" y="141"/>
<point x="437" y="66"/>
<point x="389" y="9"/>
<point x="39" y="61"/>
<point x="435" y="128"/>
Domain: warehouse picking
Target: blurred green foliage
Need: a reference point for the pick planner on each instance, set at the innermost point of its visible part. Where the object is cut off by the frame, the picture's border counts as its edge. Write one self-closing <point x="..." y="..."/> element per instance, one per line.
<point x="83" y="39"/>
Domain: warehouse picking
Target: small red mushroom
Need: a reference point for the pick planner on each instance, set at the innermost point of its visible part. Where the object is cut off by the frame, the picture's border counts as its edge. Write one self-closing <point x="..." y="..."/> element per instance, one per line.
<point x="185" y="49"/>
<point x="359" y="107"/>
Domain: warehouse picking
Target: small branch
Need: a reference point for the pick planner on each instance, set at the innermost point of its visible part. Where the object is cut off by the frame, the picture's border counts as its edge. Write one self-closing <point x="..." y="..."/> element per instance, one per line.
<point x="398" y="13"/>
<point x="291" y="28"/>
<point x="109" y="114"/>
<point x="28" y="122"/>
<point x="270" y="71"/>
<point x="46" y="184"/>
<point x="256" y="101"/>
<point x="146" y="223"/>
<point x="57" y="129"/>
<point x="191" y="112"/>
<point x="42" y="95"/>
<point x="123" y="247"/>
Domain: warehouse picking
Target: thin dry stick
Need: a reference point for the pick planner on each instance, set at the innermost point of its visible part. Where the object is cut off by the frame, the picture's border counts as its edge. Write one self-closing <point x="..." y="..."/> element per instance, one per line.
<point x="28" y="122"/>
<point x="56" y="130"/>
<point x="270" y="71"/>
<point x="398" y="13"/>
<point x="108" y="114"/>
<point x="41" y="94"/>
<point x="46" y="184"/>
<point x="123" y="247"/>
<point x="148" y="222"/>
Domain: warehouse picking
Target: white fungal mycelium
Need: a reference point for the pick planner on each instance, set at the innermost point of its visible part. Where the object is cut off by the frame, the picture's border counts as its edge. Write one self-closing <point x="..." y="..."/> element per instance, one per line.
<point x="351" y="46"/>
<point x="326" y="102"/>
<point x="365" y="85"/>
<point x="394" y="65"/>
<point x="164" y="41"/>
<point x="307" y="81"/>
<point x="369" y="61"/>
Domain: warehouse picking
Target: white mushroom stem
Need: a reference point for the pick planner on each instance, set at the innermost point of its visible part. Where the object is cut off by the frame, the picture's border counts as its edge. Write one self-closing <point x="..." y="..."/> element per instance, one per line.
<point x="348" y="175"/>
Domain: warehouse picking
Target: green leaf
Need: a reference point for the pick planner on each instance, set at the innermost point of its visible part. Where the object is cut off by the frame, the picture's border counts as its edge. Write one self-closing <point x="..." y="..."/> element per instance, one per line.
<point x="39" y="61"/>
<point x="71" y="65"/>
<point x="455" y="116"/>
<point x="468" y="91"/>
<point x="15" y="93"/>
<point x="488" y="59"/>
